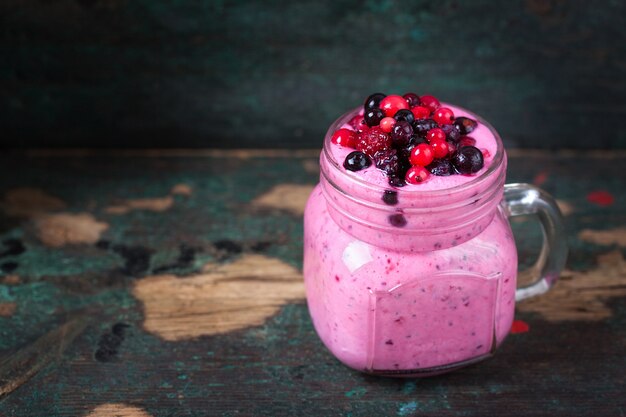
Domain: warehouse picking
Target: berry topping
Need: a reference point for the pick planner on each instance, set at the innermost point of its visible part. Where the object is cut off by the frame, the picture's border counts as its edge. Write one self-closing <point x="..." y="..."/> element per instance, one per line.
<point x="404" y="115"/>
<point x="443" y="116"/>
<point x="466" y="141"/>
<point x="373" y="140"/>
<point x="390" y="197"/>
<point x="421" y="127"/>
<point x="422" y="155"/>
<point x="387" y="124"/>
<point x="465" y="125"/>
<point x="391" y="105"/>
<point x="452" y="133"/>
<point x="416" y="175"/>
<point x="388" y="161"/>
<point x="409" y="138"/>
<point x="373" y="117"/>
<point x="441" y="167"/>
<point x="420" y="112"/>
<point x="435" y="134"/>
<point x="468" y="160"/>
<point x="356" y="161"/>
<point x="416" y="140"/>
<point x="440" y="147"/>
<point x="431" y="102"/>
<point x="396" y="181"/>
<point x="344" y="137"/>
<point x="451" y="147"/>
<point x="373" y="101"/>
<point x="412" y="99"/>
<point x="401" y="133"/>
<point x="358" y="123"/>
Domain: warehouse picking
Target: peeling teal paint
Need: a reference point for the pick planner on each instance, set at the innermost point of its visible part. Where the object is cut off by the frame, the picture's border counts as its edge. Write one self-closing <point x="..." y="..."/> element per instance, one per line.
<point x="407" y="408"/>
<point x="357" y="392"/>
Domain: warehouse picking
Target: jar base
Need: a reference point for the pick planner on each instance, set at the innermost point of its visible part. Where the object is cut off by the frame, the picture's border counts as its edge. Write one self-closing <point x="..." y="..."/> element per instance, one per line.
<point x="426" y="372"/>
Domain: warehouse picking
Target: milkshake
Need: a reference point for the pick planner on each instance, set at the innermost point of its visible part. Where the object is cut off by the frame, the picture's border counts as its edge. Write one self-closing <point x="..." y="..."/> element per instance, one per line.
<point x="409" y="261"/>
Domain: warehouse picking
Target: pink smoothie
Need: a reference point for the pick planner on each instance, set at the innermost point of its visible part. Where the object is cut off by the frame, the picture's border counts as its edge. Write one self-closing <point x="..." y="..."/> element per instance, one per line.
<point x="431" y="295"/>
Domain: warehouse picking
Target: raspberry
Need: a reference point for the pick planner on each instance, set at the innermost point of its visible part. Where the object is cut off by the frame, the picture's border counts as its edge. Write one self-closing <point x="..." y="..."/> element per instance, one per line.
<point x="372" y="141"/>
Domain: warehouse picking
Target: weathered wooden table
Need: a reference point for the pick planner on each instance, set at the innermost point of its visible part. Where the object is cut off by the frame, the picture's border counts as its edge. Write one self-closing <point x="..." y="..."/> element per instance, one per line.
<point x="167" y="283"/>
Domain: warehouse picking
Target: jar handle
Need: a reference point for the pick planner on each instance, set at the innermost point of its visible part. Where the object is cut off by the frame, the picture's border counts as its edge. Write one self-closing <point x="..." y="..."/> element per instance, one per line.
<point x="524" y="199"/>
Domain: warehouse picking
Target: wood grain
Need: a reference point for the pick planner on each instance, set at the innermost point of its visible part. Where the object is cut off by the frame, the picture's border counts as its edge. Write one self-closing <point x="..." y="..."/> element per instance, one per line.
<point x="60" y="229"/>
<point x="118" y="410"/>
<point x="583" y="295"/>
<point x="225" y="297"/>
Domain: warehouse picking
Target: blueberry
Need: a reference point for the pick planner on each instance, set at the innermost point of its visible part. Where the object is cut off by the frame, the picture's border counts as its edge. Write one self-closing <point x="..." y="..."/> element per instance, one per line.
<point x="422" y="126"/>
<point x="441" y="167"/>
<point x="373" y="116"/>
<point x="396" y="181"/>
<point x="412" y="98"/>
<point x="356" y="161"/>
<point x="390" y="197"/>
<point x="401" y="133"/>
<point x="416" y="140"/>
<point x="397" y="220"/>
<point x="452" y="133"/>
<point x="388" y="161"/>
<point x="468" y="160"/>
<point x="404" y="115"/>
<point x="373" y="101"/>
<point x="465" y="125"/>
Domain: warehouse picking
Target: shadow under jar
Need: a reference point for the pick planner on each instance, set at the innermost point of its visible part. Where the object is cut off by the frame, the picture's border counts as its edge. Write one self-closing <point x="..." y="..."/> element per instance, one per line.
<point x="426" y="285"/>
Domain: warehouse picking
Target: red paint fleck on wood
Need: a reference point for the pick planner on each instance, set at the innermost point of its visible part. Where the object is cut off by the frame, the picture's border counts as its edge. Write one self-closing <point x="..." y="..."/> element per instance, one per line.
<point x="601" y="198"/>
<point x="540" y="178"/>
<point x="519" y="326"/>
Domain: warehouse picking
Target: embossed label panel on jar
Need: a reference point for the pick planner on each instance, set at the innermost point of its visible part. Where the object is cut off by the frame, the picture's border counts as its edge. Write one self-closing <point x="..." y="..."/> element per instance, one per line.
<point x="426" y="323"/>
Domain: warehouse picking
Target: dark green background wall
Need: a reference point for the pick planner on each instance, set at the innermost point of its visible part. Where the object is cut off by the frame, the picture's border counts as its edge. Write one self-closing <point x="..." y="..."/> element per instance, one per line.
<point x="136" y="73"/>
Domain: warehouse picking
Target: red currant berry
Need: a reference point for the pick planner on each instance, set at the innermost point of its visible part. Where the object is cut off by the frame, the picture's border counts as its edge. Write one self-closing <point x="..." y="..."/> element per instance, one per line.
<point x="431" y="102"/>
<point x="391" y="104"/>
<point x="435" y="134"/>
<point x="420" y="112"/>
<point x="387" y="124"/>
<point x="422" y="155"/>
<point x="443" y="116"/>
<point x="416" y="175"/>
<point x="344" y="137"/>
<point x="440" y="147"/>
<point x="358" y="123"/>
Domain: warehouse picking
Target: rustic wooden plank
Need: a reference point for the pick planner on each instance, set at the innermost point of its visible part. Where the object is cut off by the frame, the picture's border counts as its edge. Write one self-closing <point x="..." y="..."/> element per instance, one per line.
<point x="256" y="74"/>
<point x="143" y="356"/>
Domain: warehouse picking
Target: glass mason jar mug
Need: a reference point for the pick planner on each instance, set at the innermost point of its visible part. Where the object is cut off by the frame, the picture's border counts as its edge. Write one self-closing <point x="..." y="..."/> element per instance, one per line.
<point x="426" y="285"/>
